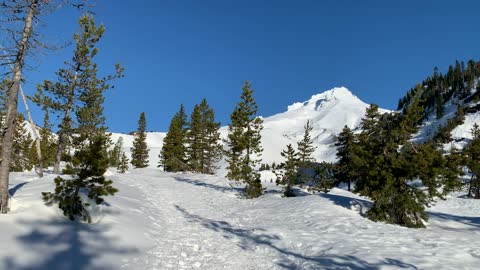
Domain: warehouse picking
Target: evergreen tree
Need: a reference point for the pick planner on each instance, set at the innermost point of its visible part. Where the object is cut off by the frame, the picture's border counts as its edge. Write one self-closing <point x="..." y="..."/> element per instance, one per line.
<point x="243" y="141"/>
<point x="47" y="141"/>
<point x="23" y="156"/>
<point x="115" y="153"/>
<point x="440" y="106"/>
<point x="348" y="161"/>
<point x="305" y="146"/>
<point x="90" y="160"/>
<point x="288" y="176"/>
<point x="173" y="154"/>
<point x="122" y="166"/>
<point x="473" y="157"/>
<point x="305" y="150"/>
<point x="389" y="164"/>
<point x="66" y="96"/>
<point x="324" y="179"/>
<point x="204" y="148"/>
<point x="139" y="149"/>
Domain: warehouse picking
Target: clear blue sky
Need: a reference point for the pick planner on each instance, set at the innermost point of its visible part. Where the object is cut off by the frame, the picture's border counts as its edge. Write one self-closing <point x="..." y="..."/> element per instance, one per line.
<point x="177" y="51"/>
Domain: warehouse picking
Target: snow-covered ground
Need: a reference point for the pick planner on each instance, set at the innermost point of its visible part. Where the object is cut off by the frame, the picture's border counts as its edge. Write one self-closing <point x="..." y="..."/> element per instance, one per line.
<point x="184" y="221"/>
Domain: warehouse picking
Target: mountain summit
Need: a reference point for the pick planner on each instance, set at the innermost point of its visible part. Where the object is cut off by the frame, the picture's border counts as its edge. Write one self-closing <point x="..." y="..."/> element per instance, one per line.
<point x="328" y="113"/>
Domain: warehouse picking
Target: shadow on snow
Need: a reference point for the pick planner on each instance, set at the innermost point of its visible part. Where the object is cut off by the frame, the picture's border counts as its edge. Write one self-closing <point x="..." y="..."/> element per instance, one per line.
<point x="473" y="222"/>
<point x="207" y="185"/>
<point x="63" y="244"/>
<point x="250" y="238"/>
<point x="14" y="190"/>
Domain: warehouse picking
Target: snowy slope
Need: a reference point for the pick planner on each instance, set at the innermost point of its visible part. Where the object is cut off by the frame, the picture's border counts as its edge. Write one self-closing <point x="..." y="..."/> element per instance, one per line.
<point x="460" y="135"/>
<point x="185" y="221"/>
<point x="328" y="113"/>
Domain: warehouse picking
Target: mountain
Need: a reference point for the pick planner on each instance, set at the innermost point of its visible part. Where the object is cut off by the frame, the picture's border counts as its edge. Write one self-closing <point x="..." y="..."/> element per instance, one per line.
<point x="328" y="113"/>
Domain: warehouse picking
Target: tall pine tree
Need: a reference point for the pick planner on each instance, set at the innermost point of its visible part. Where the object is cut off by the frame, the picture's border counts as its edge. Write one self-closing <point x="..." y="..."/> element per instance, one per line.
<point x="139" y="149"/>
<point x="348" y="161"/>
<point x="203" y="137"/>
<point x="243" y="141"/>
<point x="173" y="156"/>
<point x="90" y="160"/>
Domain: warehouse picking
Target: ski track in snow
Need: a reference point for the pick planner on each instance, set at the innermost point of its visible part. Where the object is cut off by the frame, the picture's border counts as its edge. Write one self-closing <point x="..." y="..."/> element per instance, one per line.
<point x="186" y="221"/>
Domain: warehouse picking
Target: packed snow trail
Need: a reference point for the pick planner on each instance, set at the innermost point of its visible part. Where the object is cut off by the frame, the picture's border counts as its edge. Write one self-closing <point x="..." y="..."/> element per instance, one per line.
<point x="203" y="224"/>
<point x="186" y="221"/>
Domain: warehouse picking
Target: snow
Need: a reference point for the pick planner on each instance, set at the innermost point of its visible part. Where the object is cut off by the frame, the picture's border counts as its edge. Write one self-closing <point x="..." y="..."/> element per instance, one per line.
<point x="186" y="221"/>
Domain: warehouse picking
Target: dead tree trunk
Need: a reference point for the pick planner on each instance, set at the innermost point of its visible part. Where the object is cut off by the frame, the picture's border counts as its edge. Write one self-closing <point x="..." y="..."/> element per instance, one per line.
<point x="12" y="101"/>
<point x="36" y="134"/>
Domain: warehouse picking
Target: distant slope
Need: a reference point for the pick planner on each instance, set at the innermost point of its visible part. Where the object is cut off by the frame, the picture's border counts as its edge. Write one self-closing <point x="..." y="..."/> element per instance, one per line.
<point x="328" y="112"/>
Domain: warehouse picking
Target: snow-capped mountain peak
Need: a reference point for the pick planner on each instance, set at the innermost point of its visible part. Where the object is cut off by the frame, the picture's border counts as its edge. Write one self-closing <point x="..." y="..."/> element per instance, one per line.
<point x="338" y="94"/>
<point x="328" y="112"/>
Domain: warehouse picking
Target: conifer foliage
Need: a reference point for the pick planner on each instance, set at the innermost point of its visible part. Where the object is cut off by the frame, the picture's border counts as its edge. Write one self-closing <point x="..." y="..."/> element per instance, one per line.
<point x="384" y="164"/>
<point x="305" y="146"/>
<point x="173" y="156"/>
<point x="473" y="163"/>
<point x="22" y="156"/>
<point x="90" y="160"/>
<point x="139" y="149"/>
<point x="122" y="166"/>
<point x="204" y="149"/>
<point x="346" y="154"/>
<point x="243" y="144"/>
<point x="288" y="176"/>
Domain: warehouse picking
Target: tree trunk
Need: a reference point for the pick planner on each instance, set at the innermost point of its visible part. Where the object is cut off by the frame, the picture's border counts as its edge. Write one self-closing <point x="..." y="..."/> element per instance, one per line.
<point x="39" y="167"/>
<point x="62" y="136"/>
<point x="12" y="101"/>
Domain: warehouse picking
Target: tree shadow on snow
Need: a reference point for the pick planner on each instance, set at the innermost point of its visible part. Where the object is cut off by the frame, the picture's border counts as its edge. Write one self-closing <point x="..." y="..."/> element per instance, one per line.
<point x="63" y="244"/>
<point x="347" y="202"/>
<point x="250" y="238"/>
<point x="208" y="185"/>
<point x="14" y="190"/>
<point x="474" y="222"/>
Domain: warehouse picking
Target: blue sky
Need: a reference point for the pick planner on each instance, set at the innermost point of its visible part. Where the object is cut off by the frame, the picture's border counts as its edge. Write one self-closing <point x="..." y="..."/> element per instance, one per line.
<point x="178" y="51"/>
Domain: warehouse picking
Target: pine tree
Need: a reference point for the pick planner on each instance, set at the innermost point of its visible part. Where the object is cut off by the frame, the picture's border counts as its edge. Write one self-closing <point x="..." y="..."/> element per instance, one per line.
<point x="440" y="106"/>
<point x="47" y="141"/>
<point x="139" y="149"/>
<point x="324" y="179"/>
<point x="388" y="166"/>
<point x="305" y="146"/>
<point x="288" y="176"/>
<point x="122" y="166"/>
<point x="173" y="154"/>
<point x="194" y="138"/>
<point x="23" y="154"/>
<point x="473" y="157"/>
<point x="90" y="160"/>
<point x="115" y="153"/>
<point x="64" y="96"/>
<point x="203" y="136"/>
<point x="305" y="150"/>
<point x="348" y="162"/>
<point x="243" y="141"/>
